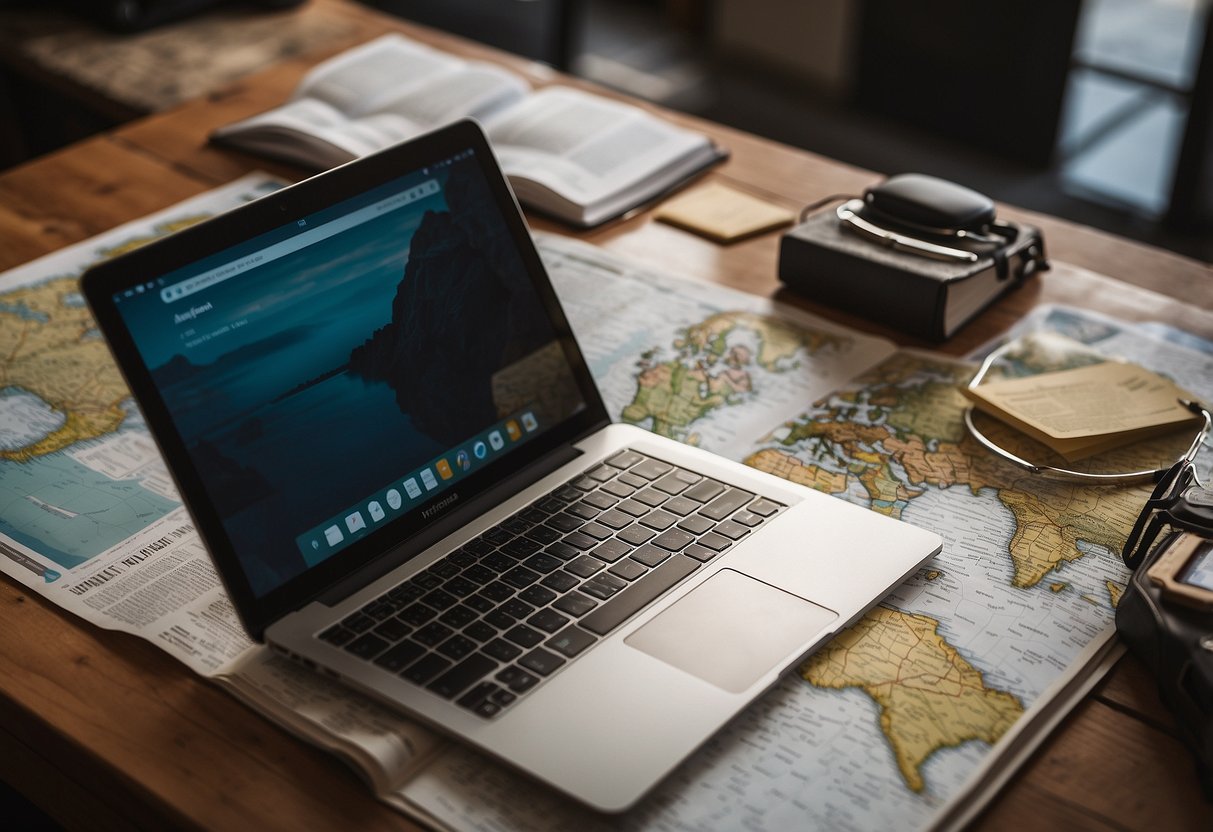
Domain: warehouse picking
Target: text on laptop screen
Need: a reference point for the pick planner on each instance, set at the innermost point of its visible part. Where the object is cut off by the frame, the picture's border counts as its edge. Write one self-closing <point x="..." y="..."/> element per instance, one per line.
<point x="332" y="375"/>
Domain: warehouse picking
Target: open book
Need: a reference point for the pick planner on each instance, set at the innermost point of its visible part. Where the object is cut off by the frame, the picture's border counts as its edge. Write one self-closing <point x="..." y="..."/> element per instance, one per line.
<point x="578" y="157"/>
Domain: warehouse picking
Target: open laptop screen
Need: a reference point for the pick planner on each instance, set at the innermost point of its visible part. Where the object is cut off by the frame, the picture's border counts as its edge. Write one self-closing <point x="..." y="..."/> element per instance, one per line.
<point x="346" y="371"/>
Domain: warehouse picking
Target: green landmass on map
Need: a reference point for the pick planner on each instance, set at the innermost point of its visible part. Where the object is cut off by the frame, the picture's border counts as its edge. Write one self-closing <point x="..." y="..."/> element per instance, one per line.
<point x="710" y="371"/>
<point x="50" y="347"/>
<point x="929" y="697"/>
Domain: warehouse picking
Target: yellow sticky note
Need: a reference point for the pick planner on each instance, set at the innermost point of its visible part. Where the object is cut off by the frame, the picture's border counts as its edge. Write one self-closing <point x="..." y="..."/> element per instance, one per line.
<point x="724" y="214"/>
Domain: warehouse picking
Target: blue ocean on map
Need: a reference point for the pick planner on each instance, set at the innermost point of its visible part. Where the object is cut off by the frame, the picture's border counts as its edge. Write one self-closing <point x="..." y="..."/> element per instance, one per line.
<point x="70" y="513"/>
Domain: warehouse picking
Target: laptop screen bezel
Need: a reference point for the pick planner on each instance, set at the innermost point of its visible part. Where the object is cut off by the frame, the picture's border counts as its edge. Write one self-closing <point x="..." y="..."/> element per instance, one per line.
<point x="100" y="284"/>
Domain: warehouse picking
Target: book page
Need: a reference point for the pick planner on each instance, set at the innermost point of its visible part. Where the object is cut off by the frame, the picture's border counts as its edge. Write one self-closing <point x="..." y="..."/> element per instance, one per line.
<point x="583" y="146"/>
<point x="475" y="90"/>
<point x="358" y="81"/>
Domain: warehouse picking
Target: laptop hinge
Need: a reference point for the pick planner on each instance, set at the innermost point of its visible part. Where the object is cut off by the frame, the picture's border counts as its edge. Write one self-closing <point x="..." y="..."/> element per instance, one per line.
<point x="426" y="538"/>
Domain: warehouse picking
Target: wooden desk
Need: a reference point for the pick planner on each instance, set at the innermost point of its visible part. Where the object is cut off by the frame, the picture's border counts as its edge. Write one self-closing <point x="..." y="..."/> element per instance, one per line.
<point x="104" y="730"/>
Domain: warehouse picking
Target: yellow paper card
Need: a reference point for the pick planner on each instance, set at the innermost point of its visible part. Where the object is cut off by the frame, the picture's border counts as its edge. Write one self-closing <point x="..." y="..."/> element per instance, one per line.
<point x="723" y="214"/>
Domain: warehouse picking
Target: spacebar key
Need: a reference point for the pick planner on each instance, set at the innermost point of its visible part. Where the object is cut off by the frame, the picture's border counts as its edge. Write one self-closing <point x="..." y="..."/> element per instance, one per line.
<point x="623" y="606"/>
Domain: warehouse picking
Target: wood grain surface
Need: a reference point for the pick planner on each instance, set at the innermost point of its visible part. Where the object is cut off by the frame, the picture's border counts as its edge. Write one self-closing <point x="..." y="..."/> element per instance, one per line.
<point x="105" y="731"/>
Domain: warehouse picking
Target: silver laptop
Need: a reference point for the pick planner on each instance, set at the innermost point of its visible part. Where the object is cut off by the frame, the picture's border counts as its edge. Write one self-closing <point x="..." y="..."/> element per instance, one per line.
<point x="380" y="420"/>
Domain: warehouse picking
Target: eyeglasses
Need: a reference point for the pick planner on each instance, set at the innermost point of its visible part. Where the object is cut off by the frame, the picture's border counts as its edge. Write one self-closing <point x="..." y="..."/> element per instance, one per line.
<point x="1083" y="477"/>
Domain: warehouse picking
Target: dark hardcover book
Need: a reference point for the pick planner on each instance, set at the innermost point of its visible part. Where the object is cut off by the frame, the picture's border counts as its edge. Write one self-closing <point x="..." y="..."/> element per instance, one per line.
<point x="931" y="299"/>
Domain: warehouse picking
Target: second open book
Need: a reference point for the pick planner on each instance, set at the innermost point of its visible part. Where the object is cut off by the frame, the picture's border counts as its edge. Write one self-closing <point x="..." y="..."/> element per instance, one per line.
<point x="581" y="158"/>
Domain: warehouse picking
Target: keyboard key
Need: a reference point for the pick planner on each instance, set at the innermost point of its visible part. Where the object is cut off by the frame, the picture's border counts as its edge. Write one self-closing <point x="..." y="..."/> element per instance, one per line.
<point x="501" y="650"/>
<point x="444" y="569"/>
<point x="500" y="620"/>
<point x="393" y="630"/>
<point x="517" y="679"/>
<point x="458" y="617"/>
<point x="634" y="508"/>
<point x="462" y="675"/>
<point x="651" y="469"/>
<point x="650" y="555"/>
<point x="456" y="647"/>
<point x="673" y="484"/>
<point x="479" y="603"/>
<point x="570" y="641"/>
<point x="461" y="558"/>
<point x="715" y="542"/>
<point x="618" y="489"/>
<point x="651" y="497"/>
<point x="611" y="550"/>
<point x="543" y="662"/>
<point x="480" y="693"/>
<point x="515" y="526"/>
<point x="524" y="636"/>
<point x="673" y="539"/>
<point x="628" y="569"/>
<point x="543" y="535"/>
<point x="521" y="547"/>
<point x="704" y="491"/>
<point x="600" y="500"/>
<point x="367" y="646"/>
<point x="547" y="620"/>
<point x="439" y="599"/>
<point x="338" y="635"/>
<point x="497" y="591"/>
<point x="400" y="656"/>
<point x="562" y="550"/>
<point x="480" y="631"/>
<point x="632" y="480"/>
<point x="479" y="575"/>
<point x="543" y="563"/>
<point x="549" y="505"/>
<point x="731" y="530"/>
<point x="538" y="595"/>
<point x="560" y="581"/>
<point x="680" y="506"/>
<point x="566" y="493"/>
<point x="564" y="522"/>
<point x="427" y="580"/>
<point x="601" y="473"/>
<point x="497" y="536"/>
<point x="624" y="459"/>
<point x="659" y="520"/>
<point x="460" y="586"/>
<point x="479" y="547"/>
<point x="595" y="531"/>
<point x="614" y="519"/>
<point x="417" y="614"/>
<point x="603" y="586"/>
<point x="422" y="670"/>
<point x="636" y="534"/>
<point x="498" y="562"/>
<point x="358" y="622"/>
<point x="584" y="566"/>
<point x="579" y="540"/>
<point x="584" y="484"/>
<point x="695" y="524"/>
<point x="520" y="577"/>
<point x="575" y="604"/>
<point x="517" y="608"/>
<point x="432" y="633"/>
<point x="638" y="595"/>
<point x="747" y="518"/>
<point x="533" y="515"/>
<point x="726" y="504"/>
<point x="379" y="610"/>
<point x="584" y="510"/>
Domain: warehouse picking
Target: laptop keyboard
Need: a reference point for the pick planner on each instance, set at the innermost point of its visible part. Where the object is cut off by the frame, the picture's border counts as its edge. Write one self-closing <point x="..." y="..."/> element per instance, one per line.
<point x="491" y="620"/>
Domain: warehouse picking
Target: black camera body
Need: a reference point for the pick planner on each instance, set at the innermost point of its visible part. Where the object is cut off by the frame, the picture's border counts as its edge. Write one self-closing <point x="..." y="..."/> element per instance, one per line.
<point x="1166" y="619"/>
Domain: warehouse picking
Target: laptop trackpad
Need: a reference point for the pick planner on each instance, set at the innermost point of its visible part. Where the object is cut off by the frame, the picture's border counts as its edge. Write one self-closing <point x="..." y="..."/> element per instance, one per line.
<point x="731" y="630"/>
